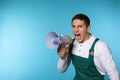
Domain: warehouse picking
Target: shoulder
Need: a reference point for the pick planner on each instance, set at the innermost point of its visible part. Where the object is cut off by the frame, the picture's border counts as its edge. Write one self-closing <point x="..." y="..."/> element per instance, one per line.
<point x="101" y="43"/>
<point x="102" y="48"/>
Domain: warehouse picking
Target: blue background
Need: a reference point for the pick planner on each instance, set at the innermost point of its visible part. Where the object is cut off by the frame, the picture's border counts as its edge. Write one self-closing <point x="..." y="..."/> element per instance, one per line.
<point x="24" y="25"/>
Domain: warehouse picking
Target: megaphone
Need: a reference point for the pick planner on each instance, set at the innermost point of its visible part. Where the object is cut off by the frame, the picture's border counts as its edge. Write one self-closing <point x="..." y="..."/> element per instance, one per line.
<point x="53" y="40"/>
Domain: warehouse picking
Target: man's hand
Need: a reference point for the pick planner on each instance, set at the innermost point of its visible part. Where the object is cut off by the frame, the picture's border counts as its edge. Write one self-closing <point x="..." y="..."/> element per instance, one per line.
<point x="63" y="51"/>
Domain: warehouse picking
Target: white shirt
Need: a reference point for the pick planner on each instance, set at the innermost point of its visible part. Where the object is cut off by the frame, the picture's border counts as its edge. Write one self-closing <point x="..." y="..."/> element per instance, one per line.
<point x="102" y="57"/>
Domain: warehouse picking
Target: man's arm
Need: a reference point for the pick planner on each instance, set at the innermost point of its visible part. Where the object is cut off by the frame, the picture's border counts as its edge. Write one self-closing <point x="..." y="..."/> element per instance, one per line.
<point x="63" y="64"/>
<point x="108" y="62"/>
<point x="65" y="60"/>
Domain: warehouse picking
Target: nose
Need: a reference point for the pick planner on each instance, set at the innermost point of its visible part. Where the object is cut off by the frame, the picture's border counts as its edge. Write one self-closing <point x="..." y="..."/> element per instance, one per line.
<point x="76" y="29"/>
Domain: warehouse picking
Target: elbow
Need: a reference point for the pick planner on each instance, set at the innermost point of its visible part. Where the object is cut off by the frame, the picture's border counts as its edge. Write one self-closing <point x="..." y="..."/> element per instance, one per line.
<point x="61" y="69"/>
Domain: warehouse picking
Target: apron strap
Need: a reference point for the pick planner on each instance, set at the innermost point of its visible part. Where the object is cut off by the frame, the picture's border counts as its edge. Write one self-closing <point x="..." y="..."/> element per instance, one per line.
<point x="93" y="45"/>
<point x="71" y="45"/>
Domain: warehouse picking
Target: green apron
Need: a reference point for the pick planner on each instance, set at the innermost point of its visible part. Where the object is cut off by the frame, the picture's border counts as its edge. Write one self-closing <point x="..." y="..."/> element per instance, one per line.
<point x="85" y="68"/>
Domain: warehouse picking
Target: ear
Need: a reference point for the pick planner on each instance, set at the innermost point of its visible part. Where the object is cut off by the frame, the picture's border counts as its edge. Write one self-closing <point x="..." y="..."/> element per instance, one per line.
<point x="88" y="28"/>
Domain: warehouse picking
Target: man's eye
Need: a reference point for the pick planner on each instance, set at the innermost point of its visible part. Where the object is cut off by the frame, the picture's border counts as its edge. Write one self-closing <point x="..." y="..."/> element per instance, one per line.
<point x="73" y="26"/>
<point x="80" y="26"/>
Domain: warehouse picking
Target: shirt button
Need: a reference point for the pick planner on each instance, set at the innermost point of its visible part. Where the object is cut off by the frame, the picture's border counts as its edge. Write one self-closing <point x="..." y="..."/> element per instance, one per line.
<point x="79" y="50"/>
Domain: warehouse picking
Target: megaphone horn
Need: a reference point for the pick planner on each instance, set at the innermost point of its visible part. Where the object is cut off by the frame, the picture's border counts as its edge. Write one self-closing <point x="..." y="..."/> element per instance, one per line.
<point x="53" y="40"/>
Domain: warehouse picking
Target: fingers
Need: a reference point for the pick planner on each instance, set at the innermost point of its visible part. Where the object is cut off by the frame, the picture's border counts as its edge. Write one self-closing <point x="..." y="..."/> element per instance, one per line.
<point x="66" y="46"/>
<point x="63" y="49"/>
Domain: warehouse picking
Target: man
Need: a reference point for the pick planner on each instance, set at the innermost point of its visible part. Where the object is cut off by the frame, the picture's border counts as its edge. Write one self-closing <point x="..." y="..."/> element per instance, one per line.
<point x="90" y="56"/>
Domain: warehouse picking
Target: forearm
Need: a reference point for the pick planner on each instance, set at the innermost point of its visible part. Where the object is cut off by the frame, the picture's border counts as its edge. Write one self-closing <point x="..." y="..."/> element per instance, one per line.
<point x="63" y="64"/>
<point x="112" y="71"/>
<point x="106" y="62"/>
<point x="114" y="75"/>
<point x="110" y="67"/>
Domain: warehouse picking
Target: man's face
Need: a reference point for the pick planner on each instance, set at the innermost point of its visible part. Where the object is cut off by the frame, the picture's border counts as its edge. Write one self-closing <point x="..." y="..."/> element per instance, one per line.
<point x="80" y="30"/>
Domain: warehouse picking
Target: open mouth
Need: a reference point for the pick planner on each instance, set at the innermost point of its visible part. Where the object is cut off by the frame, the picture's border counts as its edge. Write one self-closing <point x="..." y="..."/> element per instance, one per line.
<point x="77" y="36"/>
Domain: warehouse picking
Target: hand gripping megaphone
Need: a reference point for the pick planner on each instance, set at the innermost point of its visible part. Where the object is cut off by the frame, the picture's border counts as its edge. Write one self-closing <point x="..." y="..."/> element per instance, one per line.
<point x="53" y="40"/>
